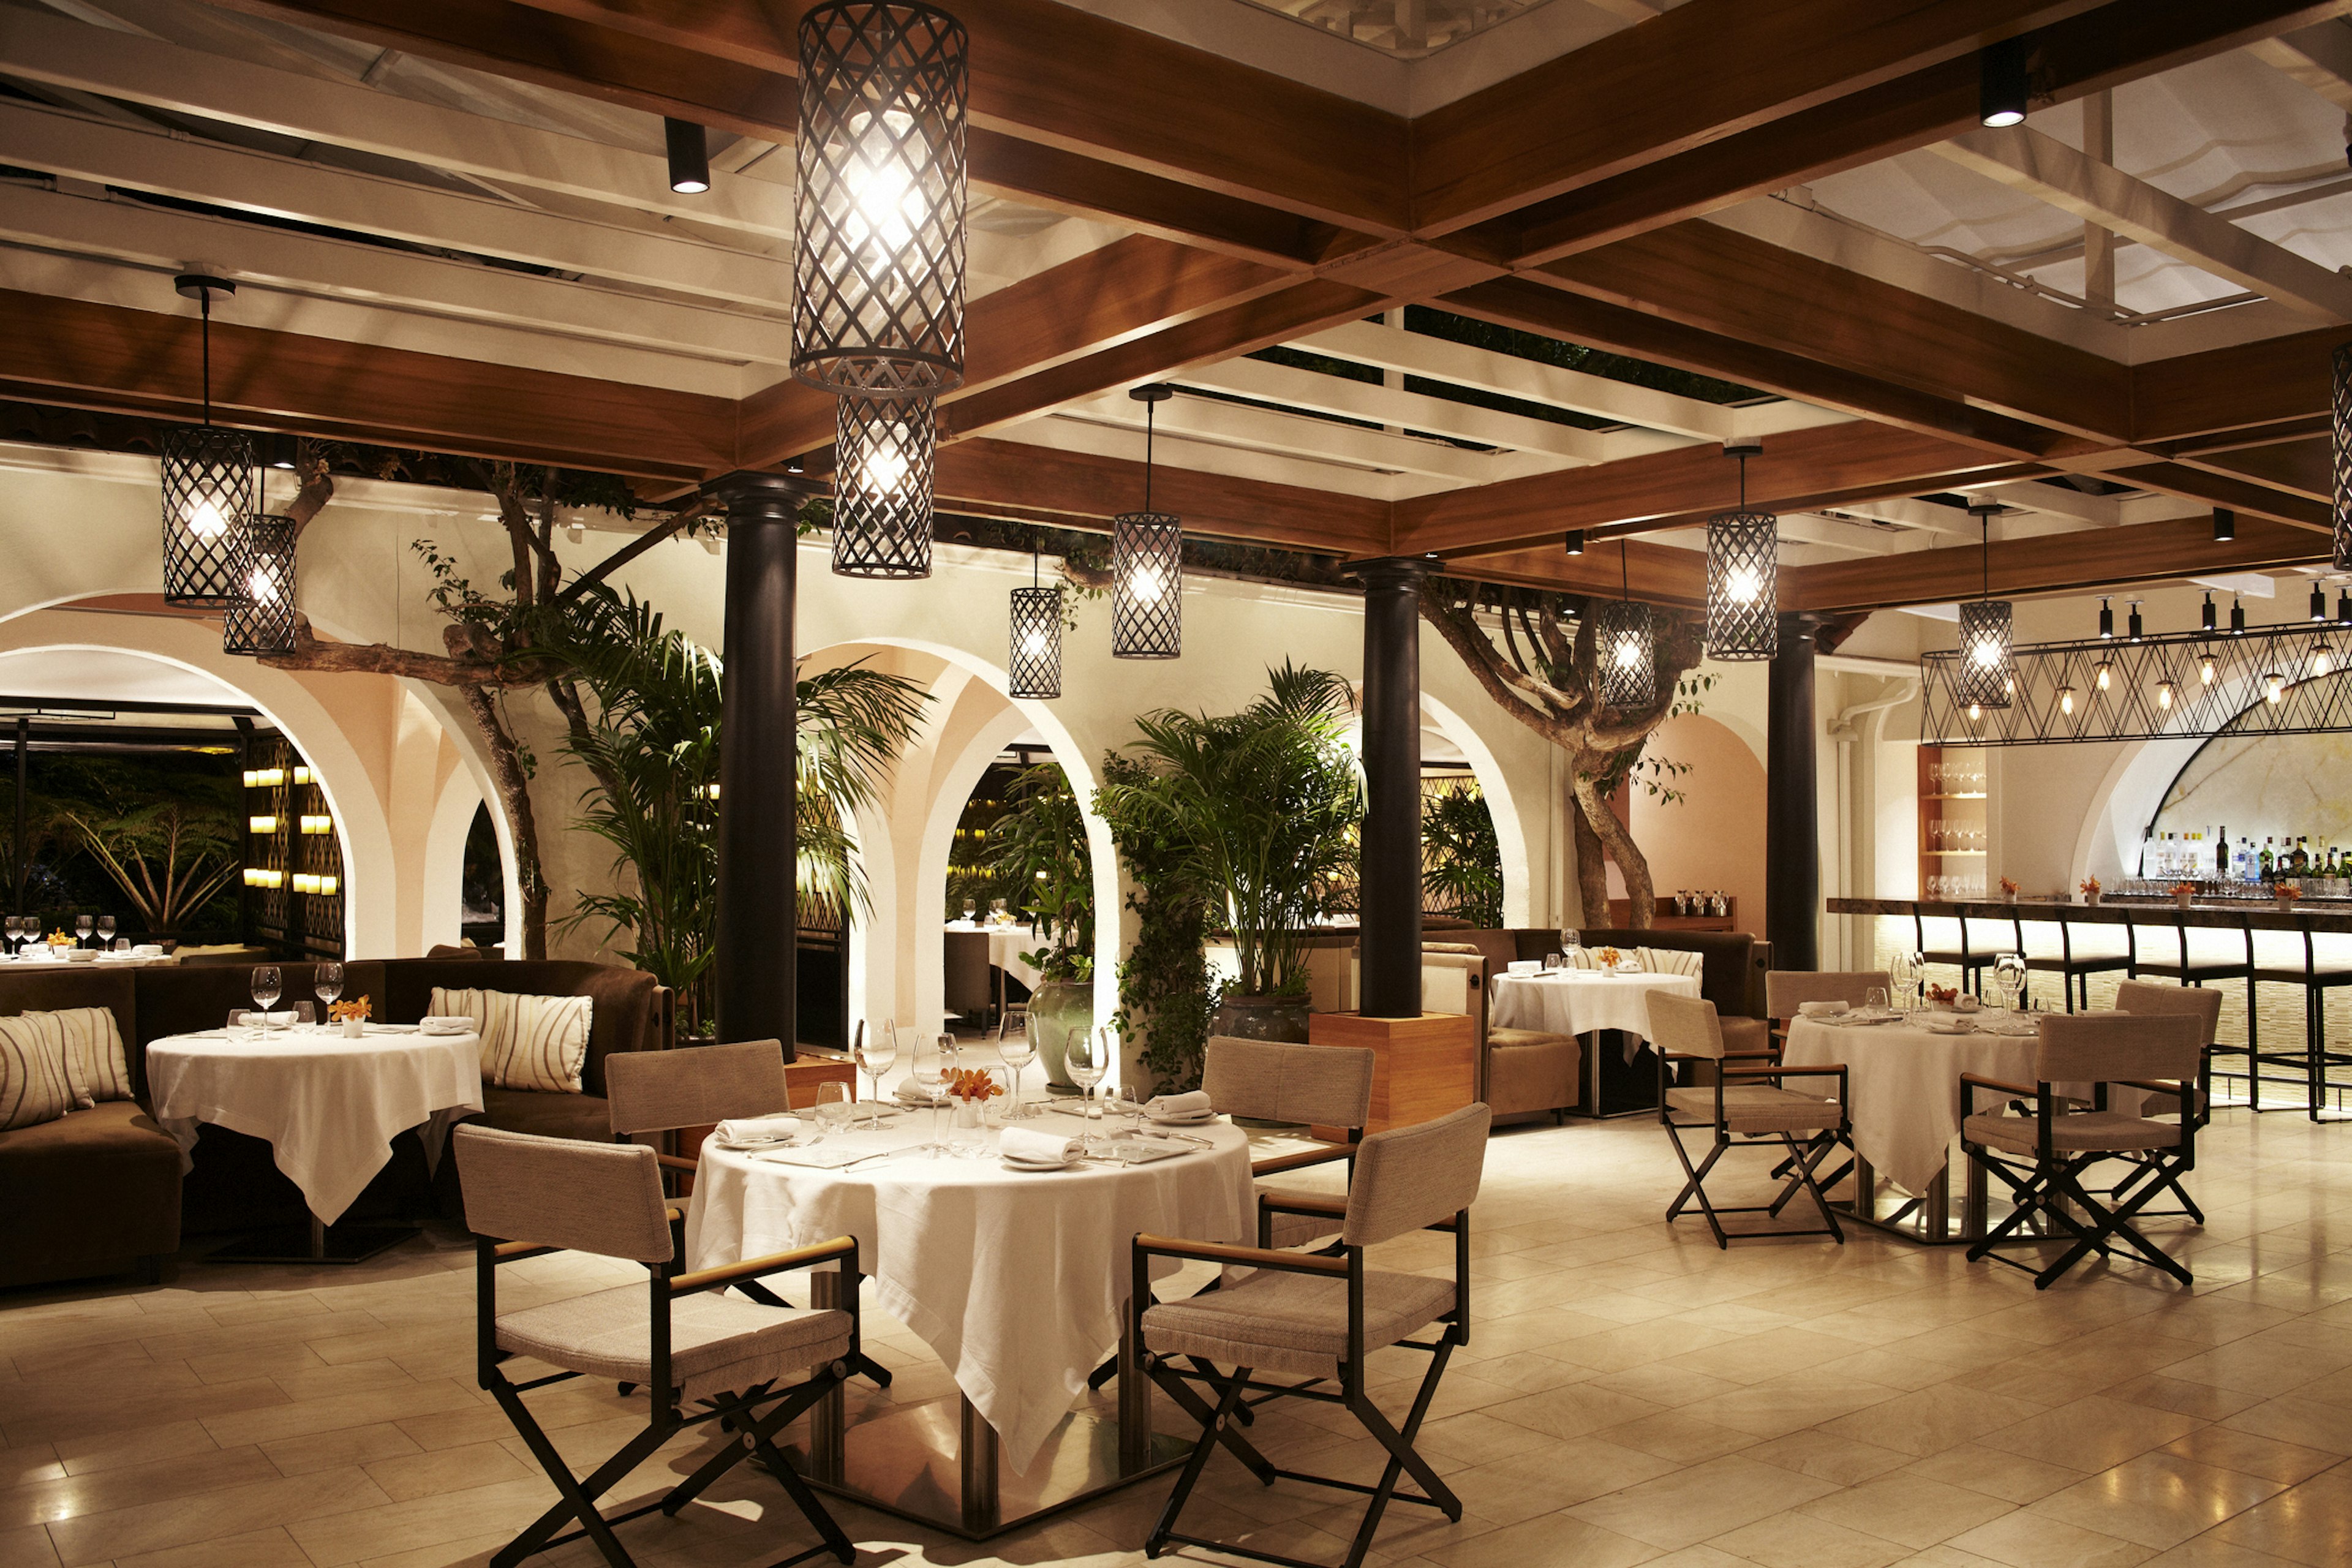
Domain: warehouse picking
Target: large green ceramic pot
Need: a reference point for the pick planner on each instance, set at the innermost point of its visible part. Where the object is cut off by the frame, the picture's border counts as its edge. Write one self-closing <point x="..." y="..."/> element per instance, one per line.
<point x="1056" y="1010"/>
<point x="1282" y="1019"/>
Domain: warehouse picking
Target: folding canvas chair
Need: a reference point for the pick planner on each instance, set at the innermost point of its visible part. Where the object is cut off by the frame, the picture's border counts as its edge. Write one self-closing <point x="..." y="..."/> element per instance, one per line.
<point x="1745" y="1107"/>
<point x="1314" y="1317"/>
<point x="1786" y="990"/>
<point x="2174" y="1001"/>
<point x="2041" y="1155"/>
<point x="528" y="1196"/>
<point x="701" y="1086"/>
<point x="1271" y="1080"/>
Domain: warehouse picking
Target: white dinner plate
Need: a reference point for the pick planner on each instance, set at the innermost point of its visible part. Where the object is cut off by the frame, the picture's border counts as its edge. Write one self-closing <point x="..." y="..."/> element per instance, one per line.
<point x="1011" y="1163"/>
<point x="1200" y="1119"/>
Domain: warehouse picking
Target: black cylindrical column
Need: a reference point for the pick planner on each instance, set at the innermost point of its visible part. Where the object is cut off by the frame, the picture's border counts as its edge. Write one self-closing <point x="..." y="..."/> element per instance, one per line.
<point x="1792" y="849"/>
<point x="758" y="922"/>
<point x="1388" y="883"/>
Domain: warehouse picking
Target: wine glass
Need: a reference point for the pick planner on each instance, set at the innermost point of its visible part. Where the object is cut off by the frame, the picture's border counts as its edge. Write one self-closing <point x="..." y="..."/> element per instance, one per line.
<point x="105" y="932"/>
<point x="1552" y="960"/>
<point x="2009" y="978"/>
<point x="266" y="987"/>
<point x="1898" y="978"/>
<point x="1874" y="1001"/>
<point x="14" y="929"/>
<point x="876" y="1054"/>
<point x="1568" y="939"/>
<point x="328" y="982"/>
<point x="927" y="1065"/>
<point x="833" y="1108"/>
<point x="970" y="912"/>
<point x="82" y="924"/>
<point x="1016" y="1050"/>
<point x="1087" y="1058"/>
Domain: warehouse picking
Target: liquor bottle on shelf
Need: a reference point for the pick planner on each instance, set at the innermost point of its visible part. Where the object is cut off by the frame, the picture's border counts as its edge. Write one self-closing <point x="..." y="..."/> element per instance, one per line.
<point x="2302" y="856"/>
<point x="2266" y="860"/>
<point x="2221" y="856"/>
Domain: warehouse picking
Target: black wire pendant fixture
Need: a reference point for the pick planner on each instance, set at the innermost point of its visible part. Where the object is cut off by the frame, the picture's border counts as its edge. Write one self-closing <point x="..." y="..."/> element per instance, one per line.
<point x="261" y="620"/>
<point x="1035" y="660"/>
<point x="1147" y="563"/>
<point x="884" y="451"/>
<point x="1743" y="563"/>
<point x="208" y="488"/>
<point x="2340" y="365"/>
<point x="878" y="263"/>
<point x="1987" y="674"/>
<point x="1622" y="645"/>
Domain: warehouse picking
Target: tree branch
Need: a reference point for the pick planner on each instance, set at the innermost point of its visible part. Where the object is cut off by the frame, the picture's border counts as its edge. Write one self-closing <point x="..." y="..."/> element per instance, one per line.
<point x="633" y="549"/>
<point x="381" y="658"/>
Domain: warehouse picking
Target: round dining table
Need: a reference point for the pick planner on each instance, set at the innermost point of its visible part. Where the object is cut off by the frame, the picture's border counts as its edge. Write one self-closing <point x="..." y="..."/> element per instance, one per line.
<point x="1006" y="944"/>
<point x="328" y="1106"/>
<point x="1017" y="1280"/>
<point x="1579" y="1001"/>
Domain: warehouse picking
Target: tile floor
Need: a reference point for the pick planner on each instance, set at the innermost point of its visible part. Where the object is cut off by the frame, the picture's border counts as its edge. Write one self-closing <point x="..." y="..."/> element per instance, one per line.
<point x="1629" y="1395"/>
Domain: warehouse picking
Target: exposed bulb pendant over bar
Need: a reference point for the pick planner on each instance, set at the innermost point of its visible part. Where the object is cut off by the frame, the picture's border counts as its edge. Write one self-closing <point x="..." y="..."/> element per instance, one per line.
<point x="208" y="488"/>
<point x="1034" y="661"/>
<point x="884" y="449"/>
<point x="1743" y="556"/>
<point x="878" y="266"/>
<point x="1622" y="647"/>
<point x="262" y="620"/>
<point x="1985" y="679"/>
<point x="1147" y="563"/>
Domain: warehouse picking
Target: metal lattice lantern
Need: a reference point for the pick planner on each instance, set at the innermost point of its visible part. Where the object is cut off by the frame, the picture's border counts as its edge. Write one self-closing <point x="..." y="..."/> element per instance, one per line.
<point x="1986" y="666"/>
<point x="2341" y="365"/>
<point x="1743" y="563"/>
<point x="878" y="267"/>
<point x="208" y="503"/>
<point x="1036" y="651"/>
<point x="884" y="451"/>
<point x="1147" y="563"/>
<point x="1624" y="653"/>
<point x="261" y="620"/>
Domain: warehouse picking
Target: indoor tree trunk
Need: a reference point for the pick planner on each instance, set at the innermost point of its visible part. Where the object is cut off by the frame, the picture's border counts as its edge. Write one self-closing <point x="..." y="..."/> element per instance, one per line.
<point x="514" y="794"/>
<point x="1591" y="870"/>
<point x="1640" y="900"/>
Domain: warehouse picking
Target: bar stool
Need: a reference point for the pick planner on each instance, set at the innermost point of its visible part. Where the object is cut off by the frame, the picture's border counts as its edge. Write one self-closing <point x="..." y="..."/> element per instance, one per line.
<point x="2315" y="1059"/>
<point x="2073" y="969"/>
<point x="2197" y="972"/>
<point x="1971" y="966"/>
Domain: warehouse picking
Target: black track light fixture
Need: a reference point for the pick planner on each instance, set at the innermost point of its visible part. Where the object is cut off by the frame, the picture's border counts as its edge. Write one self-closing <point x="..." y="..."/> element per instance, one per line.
<point x="2206" y="617"/>
<point x="2132" y="625"/>
<point x="689" y="156"/>
<point x="2004" y="83"/>
<point x="2319" y="600"/>
<point x="2237" y="615"/>
<point x="2225" y="525"/>
<point x="1574" y="541"/>
<point x="2107" y="619"/>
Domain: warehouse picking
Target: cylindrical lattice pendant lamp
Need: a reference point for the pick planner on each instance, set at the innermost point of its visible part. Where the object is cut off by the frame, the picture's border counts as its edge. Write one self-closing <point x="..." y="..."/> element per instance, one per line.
<point x="878" y="268"/>
<point x="1034" y="660"/>
<point x="1146" y="564"/>
<point x="1986" y="666"/>
<point x="1743" y="562"/>
<point x="1623" y="647"/>
<point x="261" y="620"/>
<point x="884" y="451"/>
<point x="2341" y="364"/>
<point x="208" y="488"/>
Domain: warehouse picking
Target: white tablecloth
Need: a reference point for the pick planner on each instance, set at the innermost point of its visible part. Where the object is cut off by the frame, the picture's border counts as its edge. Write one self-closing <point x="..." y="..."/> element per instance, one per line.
<point x="1005" y="946"/>
<point x="1906" y="1084"/>
<point x="1016" y="1280"/>
<point x="329" y="1107"/>
<point x="1579" y="1001"/>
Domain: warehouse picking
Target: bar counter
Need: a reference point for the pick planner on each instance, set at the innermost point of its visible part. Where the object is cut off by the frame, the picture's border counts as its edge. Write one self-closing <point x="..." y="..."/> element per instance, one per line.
<point x="2219" y="914"/>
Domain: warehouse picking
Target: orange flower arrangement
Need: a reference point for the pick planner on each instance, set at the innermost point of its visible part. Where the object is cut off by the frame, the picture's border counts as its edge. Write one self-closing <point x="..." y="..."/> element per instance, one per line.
<point x="2088" y="885"/>
<point x="2286" y="891"/>
<point x="2183" y="890"/>
<point x="60" y="938"/>
<point x="973" y="1083"/>
<point x="344" y="1012"/>
<point x="1609" y="957"/>
<point x="2008" y="886"/>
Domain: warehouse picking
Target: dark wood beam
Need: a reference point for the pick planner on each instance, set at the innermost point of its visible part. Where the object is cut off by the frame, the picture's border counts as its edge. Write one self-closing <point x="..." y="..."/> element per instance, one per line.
<point x="1654" y="574"/>
<point x="1097" y="300"/>
<point x="2242" y="388"/>
<point x="1714" y="279"/>
<point x="1555" y="312"/>
<point x="2119" y="42"/>
<point x="140" y="361"/>
<point x="1038" y="483"/>
<point x="1835" y="499"/>
<point x="2242" y="496"/>
<point x="1527" y="512"/>
<point x="2091" y="561"/>
<point x="2305" y="469"/>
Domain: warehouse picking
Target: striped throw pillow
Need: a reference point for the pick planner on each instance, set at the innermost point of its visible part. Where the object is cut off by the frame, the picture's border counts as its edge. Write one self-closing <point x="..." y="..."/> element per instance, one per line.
<point x="35" y="1077"/>
<point x="537" y="1042"/>
<point x="1576" y="957"/>
<point x="1673" y="961"/>
<point x="94" y="1055"/>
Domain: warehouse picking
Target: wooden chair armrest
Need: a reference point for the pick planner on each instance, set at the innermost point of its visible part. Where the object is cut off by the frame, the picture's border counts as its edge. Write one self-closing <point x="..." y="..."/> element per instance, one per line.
<point x="1747" y="1055"/>
<point x="2018" y="1089"/>
<point x="678" y="1161"/>
<point x="1246" y="1257"/>
<point x="2154" y="1086"/>
<point x="1302" y="1203"/>
<point x="508" y="1252"/>
<point x="1322" y="1154"/>
<point x="752" y="1267"/>
<point x="1825" y="1070"/>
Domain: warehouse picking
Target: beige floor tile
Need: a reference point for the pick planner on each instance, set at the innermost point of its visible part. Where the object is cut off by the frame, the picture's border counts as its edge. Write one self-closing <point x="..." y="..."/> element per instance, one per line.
<point x="2024" y="1540"/>
<point x="1700" y="1502"/>
<point x="271" y="1548"/>
<point x="26" y="1548"/>
<point x="1575" y="1411"/>
<point x="151" y="1527"/>
<point x="2304" y="1422"/>
<point x="1558" y="1476"/>
<point x="388" y="1527"/>
<point x="407" y="1476"/>
<point x="2157" y="1500"/>
<point x="1679" y="1436"/>
<point x="1805" y="1541"/>
<point x="1932" y="1419"/>
<point x="362" y="1408"/>
<point x="1554" y="1541"/>
<point x="1837" y="1460"/>
<point x="2012" y="1478"/>
<point x="1788" y="1404"/>
<point x="2090" y="1433"/>
<point x="1472" y="1437"/>
<point x="1908" y="1509"/>
<point x="2310" y="1523"/>
<point x="2202" y="1400"/>
<point x="101" y="1491"/>
<point x="330" y="1450"/>
<point x="2211" y="1551"/>
<point x="2232" y="1449"/>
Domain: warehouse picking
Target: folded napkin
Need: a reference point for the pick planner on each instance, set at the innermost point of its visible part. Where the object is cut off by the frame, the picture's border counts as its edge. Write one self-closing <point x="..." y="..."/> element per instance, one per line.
<point x="909" y="1092"/>
<point x="1523" y="967"/>
<point x="272" y="1020"/>
<point x="1037" y="1148"/>
<point x="1194" y="1104"/>
<point x="1819" y="1009"/>
<point x="758" y="1129"/>
<point x="453" y="1023"/>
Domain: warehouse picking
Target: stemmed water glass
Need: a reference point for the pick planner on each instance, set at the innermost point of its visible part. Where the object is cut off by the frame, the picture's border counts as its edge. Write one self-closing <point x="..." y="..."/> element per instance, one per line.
<point x="876" y="1054"/>
<point x="105" y="932"/>
<point x="15" y="930"/>
<point x="266" y="987"/>
<point x="1874" y="1002"/>
<point x="2009" y="978"/>
<point x="1086" y="1060"/>
<point x="328" y="982"/>
<point x="82" y="924"/>
<point x="1898" y="978"/>
<point x="1016" y="1050"/>
<point x="932" y="1059"/>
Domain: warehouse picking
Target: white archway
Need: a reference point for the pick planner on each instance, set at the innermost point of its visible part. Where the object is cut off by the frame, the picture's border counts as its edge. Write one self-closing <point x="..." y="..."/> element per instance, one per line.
<point x="1502" y="805"/>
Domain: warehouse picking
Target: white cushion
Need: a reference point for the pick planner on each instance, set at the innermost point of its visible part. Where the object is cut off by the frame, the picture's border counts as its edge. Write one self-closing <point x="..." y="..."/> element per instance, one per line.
<point x="36" y="1080"/>
<point x="1578" y="957"/>
<point x="537" y="1042"/>
<point x="1673" y="961"/>
<point x="1757" y="1108"/>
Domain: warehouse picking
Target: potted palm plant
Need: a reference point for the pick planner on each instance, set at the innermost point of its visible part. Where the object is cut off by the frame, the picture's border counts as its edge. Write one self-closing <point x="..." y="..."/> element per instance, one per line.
<point x="1260" y="809"/>
<point x="1039" y="844"/>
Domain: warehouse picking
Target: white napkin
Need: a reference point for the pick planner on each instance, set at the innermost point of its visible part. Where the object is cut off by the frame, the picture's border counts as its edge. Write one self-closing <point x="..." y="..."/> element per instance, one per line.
<point x="273" y="1020"/>
<point x="911" y="1093"/>
<point x="1819" y="1009"/>
<point x="758" y="1129"/>
<point x="1523" y="967"/>
<point x="1037" y="1148"/>
<point x="1196" y="1103"/>
<point x="446" y="1025"/>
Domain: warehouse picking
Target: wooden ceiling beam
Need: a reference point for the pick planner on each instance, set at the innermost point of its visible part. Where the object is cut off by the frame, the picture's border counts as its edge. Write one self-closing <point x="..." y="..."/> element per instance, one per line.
<point x="1715" y="279"/>
<point x="1554" y="310"/>
<point x="2240" y="495"/>
<point x="1834" y="459"/>
<point x="2091" y="561"/>
<point x="1654" y="574"/>
<point x="2281" y="380"/>
<point x="140" y="361"/>
<point x="2120" y="42"/>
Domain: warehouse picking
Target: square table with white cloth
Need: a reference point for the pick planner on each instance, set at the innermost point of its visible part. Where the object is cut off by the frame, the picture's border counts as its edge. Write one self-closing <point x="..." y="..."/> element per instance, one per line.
<point x="1017" y="1280"/>
<point x="328" y="1105"/>
<point x="1005" y="946"/>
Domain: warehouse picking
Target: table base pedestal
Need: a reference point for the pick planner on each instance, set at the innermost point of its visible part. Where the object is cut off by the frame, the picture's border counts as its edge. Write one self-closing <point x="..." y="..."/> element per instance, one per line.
<point x="314" y="1243"/>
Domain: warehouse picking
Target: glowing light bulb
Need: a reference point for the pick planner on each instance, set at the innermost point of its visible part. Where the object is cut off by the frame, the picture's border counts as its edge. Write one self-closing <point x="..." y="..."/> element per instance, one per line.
<point x="884" y="469"/>
<point x="1629" y="653"/>
<point x="1746" y="585"/>
<point x="2065" y="699"/>
<point x="1976" y="712"/>
<point x="884" y="205"/>
<point x="2273" y="688"/>
<point x="262" y="588"/>
<point x="207" y="520"/>
<point x="2205" y="669"/>
<point x="1147" y="585"/>
<point x="1985" y="654"/>
<point x="2164" y="695"/>
<point x="1033" y="643"/>
<point x="2106" y="675"/>
<point x="2323" y="657"/>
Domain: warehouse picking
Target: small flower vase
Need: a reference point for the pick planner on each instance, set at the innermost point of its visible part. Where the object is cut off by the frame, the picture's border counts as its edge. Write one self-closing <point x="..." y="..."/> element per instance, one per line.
<point x="354" y="1027"/>
<point x="2091" y="898"/>
<point x="2285" y="906"/>
<point x="969" y="1115"/>
<point x="2181" y="899"/>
